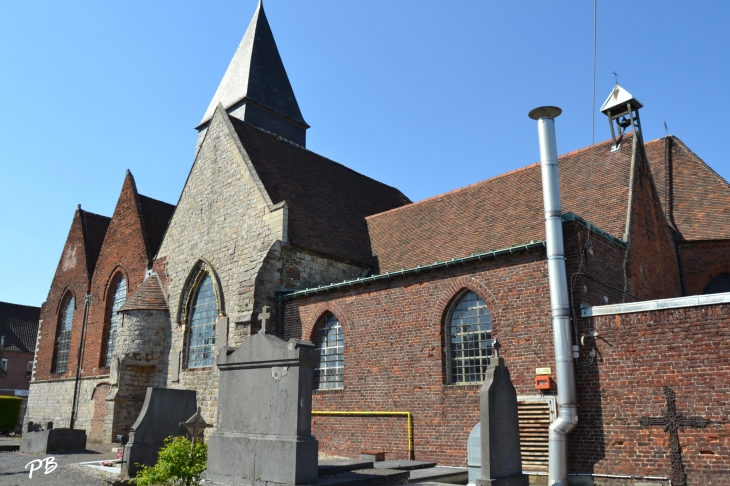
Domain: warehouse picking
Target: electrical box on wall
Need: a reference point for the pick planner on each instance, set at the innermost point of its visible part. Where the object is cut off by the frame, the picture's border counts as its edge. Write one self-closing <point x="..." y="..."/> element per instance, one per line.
<point x="543" y="382"/>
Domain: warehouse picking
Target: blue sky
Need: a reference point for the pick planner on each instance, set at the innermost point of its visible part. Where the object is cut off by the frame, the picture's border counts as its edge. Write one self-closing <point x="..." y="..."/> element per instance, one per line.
<point x="427" y="96"/>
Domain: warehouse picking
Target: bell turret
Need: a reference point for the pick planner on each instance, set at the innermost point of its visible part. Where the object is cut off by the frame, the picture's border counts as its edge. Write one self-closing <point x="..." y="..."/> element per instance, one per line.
<point x="622" y="110"/>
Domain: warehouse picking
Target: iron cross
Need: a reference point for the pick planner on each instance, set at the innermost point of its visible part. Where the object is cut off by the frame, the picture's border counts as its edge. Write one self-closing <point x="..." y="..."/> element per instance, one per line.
<point x="674" y="421"/>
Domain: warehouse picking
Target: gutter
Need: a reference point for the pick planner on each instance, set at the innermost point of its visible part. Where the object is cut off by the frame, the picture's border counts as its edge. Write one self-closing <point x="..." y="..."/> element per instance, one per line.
<point x="490" y="255"/>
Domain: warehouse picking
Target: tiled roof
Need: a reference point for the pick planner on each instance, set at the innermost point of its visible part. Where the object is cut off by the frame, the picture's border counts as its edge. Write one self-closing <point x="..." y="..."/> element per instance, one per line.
<point x="155" y="216"/>
<point x="698" y="201"/>
<point x="94" y="226"/>
<point x="148" y="296"/>
<point x="19" y="325"/>
<point x="327" y="201"/>
<point x="504" y="211"/>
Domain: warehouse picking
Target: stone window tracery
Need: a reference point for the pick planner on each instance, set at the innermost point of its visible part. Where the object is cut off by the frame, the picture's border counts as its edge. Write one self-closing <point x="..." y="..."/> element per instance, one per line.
<point x="203" y="316"/>
<point x="330" y="342"/>
<point x="117" y="301"/>
<point x="63" y="336"/>
<point x="468" y="340"/>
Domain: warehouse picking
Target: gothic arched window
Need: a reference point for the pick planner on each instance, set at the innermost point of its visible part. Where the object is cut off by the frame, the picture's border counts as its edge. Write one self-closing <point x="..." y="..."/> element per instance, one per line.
<point x="330" y="342"/>
<point x="718" y="284"/>
<point x="118" y="297"/>
<point x="468" y="340"/>
<point x="63" y="335"/>
<point x="203" y="315"/>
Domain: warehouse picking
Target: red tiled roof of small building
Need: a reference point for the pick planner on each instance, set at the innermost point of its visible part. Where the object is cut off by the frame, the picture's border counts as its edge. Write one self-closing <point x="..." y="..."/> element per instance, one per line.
<point x="148" y="296"/>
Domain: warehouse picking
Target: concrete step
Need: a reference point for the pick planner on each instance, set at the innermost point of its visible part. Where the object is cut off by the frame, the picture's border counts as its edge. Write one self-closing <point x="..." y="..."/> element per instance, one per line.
<point x="404" y="465"/>
<point x="439" y="474"/>
<point x="328" y="467"/>
<point x="365" y="477"/>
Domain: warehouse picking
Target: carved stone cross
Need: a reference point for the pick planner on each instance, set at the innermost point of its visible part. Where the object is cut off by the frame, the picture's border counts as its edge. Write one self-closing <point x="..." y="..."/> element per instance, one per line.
<point x="672" y="422"/>
<point x="264" y="316"/>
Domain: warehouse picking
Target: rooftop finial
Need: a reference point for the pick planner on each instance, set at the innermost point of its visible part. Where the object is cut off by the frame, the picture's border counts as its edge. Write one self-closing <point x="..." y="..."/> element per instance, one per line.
<point x="256" y="88"/>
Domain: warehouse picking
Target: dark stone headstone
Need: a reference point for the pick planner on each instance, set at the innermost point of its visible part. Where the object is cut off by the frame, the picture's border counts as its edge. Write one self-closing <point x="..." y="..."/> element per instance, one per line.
<point x="53" y="441"/>
<point x="161" y="414"/>
<point x="264" y="423"/>
<point x="501" y="461"/>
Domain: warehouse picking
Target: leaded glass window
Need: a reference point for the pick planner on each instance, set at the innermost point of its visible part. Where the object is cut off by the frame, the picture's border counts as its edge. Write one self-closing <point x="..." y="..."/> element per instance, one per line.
<point x="118" y="299"/>
<point x="469" y="340"/>
<point x="63" y="341"/>
<point x="330" y="342"/>
<point x="203" y="316"/>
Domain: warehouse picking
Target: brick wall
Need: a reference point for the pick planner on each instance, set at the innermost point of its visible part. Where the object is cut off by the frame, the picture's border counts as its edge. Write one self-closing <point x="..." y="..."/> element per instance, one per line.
<point x="686" y="349"/>
<point x="17" y="376"/>
<point x="72" y="276"/>
<point x="123" y="254"/>
<point x="702" y="260"/>
<point x="394" y="347"/>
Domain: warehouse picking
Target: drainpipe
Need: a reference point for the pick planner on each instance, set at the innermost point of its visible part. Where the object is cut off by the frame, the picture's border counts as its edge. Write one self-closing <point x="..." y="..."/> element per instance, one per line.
<point x="78" y="361"/>
<point x="559" y="303"/>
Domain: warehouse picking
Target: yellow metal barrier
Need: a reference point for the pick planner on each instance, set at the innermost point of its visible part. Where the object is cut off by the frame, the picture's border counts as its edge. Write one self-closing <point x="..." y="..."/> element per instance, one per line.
<point x="381" y="414"/>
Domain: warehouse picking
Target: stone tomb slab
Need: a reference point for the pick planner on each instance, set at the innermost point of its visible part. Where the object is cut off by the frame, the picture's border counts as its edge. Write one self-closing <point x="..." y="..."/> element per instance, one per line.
<point x="53" y="441"/>
<point x="404" y="465"/>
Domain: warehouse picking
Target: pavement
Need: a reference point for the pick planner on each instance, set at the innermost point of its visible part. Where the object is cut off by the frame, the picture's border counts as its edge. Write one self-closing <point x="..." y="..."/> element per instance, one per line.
<point x="13" y="471"/>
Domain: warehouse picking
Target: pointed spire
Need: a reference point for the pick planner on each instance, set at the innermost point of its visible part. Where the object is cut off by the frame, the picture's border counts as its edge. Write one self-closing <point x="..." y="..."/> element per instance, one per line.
<point x="256" y="88"/>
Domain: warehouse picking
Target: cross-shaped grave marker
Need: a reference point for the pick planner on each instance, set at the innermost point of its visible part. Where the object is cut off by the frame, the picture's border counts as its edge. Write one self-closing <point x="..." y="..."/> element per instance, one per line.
<point x="195" y="426"/>
<point x="674" y="421"/>
<point x="264" y="316"/>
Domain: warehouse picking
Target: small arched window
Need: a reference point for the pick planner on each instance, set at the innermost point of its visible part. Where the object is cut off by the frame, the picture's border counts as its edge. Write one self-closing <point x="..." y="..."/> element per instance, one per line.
<point x="203" y="315"/>
<point x="718" y="284"/>
<point x="330" y="342"/>
<point x="468" y="340"/>
<point x="118" y="297"/>
<point x="63" y="335"/>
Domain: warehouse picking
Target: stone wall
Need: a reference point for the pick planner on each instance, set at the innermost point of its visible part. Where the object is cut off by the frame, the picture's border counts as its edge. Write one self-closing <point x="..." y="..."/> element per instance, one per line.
<point x="51" y="401"/>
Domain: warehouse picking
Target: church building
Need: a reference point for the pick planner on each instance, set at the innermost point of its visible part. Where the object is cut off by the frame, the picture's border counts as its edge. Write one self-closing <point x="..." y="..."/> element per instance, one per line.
<point x="405" y="299"/>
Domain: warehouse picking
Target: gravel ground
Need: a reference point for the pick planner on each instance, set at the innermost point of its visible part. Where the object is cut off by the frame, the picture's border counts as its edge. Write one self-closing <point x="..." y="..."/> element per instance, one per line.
<point x="13" y="472"/>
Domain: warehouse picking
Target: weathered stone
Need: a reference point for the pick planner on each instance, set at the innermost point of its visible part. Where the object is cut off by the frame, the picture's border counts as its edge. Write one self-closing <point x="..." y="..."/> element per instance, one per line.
<point x="265" y="414"/>
<point x="161" y="414"/>
<point x="501" y="460"/>
<point x="53" y="441"/>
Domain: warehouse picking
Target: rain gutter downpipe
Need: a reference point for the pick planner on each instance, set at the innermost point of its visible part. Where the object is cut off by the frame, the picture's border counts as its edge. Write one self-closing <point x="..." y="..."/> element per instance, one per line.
<point x="559" y="303"/>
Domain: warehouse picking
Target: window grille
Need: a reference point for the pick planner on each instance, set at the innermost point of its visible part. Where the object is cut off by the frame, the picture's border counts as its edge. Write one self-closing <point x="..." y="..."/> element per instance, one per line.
<point x="330" y="342"/>
<point x="63" y="342"/>
<point x="469" y="340"/>
<point x="203" y="316"/>
<point x="120" y="296"/>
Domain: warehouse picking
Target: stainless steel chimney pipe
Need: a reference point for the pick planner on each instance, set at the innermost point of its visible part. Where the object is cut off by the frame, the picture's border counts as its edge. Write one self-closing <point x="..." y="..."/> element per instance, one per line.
<point x="562" y="337"/>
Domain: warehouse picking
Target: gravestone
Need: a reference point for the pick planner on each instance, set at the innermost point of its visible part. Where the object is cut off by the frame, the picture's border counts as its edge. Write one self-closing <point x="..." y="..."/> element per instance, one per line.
<point x="161" y="414"/>
<point x="501" y="460"/>
<point x="474" y="453"/>
<point x="264" y="420"/>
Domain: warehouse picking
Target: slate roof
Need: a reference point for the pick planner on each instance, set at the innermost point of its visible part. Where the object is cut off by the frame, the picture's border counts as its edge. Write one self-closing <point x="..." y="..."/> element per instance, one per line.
<point x="155" y="218"/>
<point x="504" y="211"/>
<point x="19" y="325"/>
<point x="257" y="73"/>
<point x="148" y="296"/>
<point x="94" y="227"/>
<point x="327" y="201"/>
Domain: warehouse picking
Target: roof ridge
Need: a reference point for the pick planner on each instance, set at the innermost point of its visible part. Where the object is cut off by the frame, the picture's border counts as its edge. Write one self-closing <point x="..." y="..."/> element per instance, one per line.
<point x="156" y="200"/>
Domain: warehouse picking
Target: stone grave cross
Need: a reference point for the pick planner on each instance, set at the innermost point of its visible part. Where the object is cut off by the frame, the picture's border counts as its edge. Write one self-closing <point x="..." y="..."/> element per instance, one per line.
<point x="264" y="316"/>
<point x="672" y="422"/>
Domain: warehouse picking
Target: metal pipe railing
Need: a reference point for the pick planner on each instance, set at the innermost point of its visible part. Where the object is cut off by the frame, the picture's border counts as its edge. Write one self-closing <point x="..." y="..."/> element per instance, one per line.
<point x="559" y="303"/>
